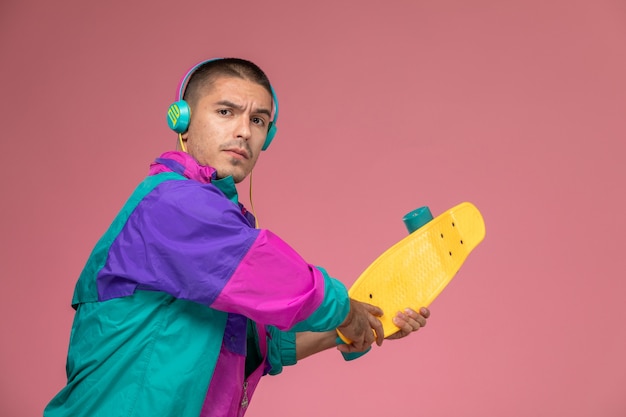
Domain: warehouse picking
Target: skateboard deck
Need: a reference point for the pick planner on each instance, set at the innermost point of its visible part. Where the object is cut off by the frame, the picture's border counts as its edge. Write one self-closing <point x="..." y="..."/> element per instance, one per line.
<point x="414" y="271"/>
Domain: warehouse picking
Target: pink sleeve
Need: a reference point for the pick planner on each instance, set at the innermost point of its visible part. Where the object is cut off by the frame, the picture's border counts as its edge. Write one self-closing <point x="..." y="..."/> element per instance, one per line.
<point x="274" y="285"/>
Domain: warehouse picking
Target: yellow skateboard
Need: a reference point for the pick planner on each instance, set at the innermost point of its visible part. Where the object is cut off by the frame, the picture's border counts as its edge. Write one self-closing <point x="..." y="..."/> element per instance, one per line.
<point x="414" y="271"/>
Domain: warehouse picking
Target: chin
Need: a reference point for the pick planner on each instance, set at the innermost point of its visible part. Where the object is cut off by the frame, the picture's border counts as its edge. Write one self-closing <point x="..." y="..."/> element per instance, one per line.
<point x="237" y="176"/>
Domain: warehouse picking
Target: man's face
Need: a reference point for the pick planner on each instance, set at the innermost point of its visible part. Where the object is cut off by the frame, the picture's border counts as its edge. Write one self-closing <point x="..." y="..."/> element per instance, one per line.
<point x="228" y="126"/>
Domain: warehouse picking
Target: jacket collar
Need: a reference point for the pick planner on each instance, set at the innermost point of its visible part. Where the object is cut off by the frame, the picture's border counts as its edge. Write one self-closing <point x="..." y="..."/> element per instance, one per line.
<point x="184" y="164"/>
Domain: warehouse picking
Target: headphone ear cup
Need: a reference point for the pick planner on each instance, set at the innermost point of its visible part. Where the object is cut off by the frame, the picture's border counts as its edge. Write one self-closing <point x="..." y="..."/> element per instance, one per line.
<point x="271" y="132"/>
<point x="178" y="116"/>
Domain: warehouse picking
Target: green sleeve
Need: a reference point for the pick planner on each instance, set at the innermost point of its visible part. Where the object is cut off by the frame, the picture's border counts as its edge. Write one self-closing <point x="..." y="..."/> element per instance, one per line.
<point x="281" y="349"/>
<point x="331" y="312"/>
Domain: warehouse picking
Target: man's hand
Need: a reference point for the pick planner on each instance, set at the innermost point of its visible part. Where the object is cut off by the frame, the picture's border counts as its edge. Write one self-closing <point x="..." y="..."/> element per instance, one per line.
<point x="362" y="327"/>
<point x="409" y="321"/>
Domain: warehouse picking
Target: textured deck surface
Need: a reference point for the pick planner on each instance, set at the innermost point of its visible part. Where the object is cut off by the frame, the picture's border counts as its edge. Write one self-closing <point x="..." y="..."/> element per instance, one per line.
<point x="413" y="272"/>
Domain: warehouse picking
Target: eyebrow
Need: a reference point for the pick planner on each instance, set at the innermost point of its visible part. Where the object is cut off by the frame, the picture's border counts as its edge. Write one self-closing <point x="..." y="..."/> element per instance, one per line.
<point x="240" y="107"/>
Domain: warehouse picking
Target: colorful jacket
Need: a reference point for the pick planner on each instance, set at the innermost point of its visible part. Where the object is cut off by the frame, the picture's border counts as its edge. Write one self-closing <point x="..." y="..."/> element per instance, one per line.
<point x="172" y="292"/>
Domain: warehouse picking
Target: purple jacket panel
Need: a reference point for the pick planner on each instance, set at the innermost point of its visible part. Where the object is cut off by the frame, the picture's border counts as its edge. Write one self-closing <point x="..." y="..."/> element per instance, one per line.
<point x="184" y="238"/>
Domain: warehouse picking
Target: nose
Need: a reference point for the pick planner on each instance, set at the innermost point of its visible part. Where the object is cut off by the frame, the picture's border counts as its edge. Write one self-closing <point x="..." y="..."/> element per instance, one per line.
<point x="243" y="130"/>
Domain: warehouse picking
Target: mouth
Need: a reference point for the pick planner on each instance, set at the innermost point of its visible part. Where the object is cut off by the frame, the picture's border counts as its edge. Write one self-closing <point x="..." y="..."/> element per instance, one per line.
<point x="237" y="153"/>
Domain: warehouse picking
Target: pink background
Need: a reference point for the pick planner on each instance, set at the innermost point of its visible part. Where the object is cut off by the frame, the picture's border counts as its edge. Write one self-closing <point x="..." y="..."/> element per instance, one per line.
<point x="517" y="106"/>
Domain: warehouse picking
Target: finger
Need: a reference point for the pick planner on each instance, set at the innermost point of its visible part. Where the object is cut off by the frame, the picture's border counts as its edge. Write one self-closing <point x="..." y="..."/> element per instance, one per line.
<point x="421" y="320"/>
<point x="374" y="310"/>
<point x="354" y="346"/>
<point x="349" y="348"/>
<point x="346" y="348"/>
<point x="418" y="318"/>
<point x="408" y="322"/>
<point x="403" y="322"/>
<point x="364" y="340"/>
<point x="425" y="312"/>
<point x="363" y="343"/>
<point x="377" y="326"/>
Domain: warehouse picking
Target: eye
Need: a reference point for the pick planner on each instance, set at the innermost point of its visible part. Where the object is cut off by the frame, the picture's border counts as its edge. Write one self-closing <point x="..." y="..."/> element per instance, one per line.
<point x="224" y="112"/>
<point x="258" y="121"/>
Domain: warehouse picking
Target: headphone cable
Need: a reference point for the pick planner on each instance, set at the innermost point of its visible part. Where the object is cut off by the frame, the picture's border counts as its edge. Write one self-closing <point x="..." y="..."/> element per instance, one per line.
<point x="256" y="220"/>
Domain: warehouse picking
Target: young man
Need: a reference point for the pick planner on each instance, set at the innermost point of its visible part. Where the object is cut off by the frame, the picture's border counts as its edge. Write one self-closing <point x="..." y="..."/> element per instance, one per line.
<point x="183" y="304"/>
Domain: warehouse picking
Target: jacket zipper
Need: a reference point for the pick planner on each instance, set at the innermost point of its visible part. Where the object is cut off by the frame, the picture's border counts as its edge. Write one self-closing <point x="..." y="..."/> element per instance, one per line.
<point x="244" y="400"/>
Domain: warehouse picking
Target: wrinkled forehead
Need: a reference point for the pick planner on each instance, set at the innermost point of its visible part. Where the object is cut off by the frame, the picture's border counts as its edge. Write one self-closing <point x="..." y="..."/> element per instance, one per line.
<point x="228" y="84"/>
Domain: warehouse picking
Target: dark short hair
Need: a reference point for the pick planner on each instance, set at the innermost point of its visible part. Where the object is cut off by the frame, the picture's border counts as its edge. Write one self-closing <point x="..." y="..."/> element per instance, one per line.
<point x="208" y="72"/>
